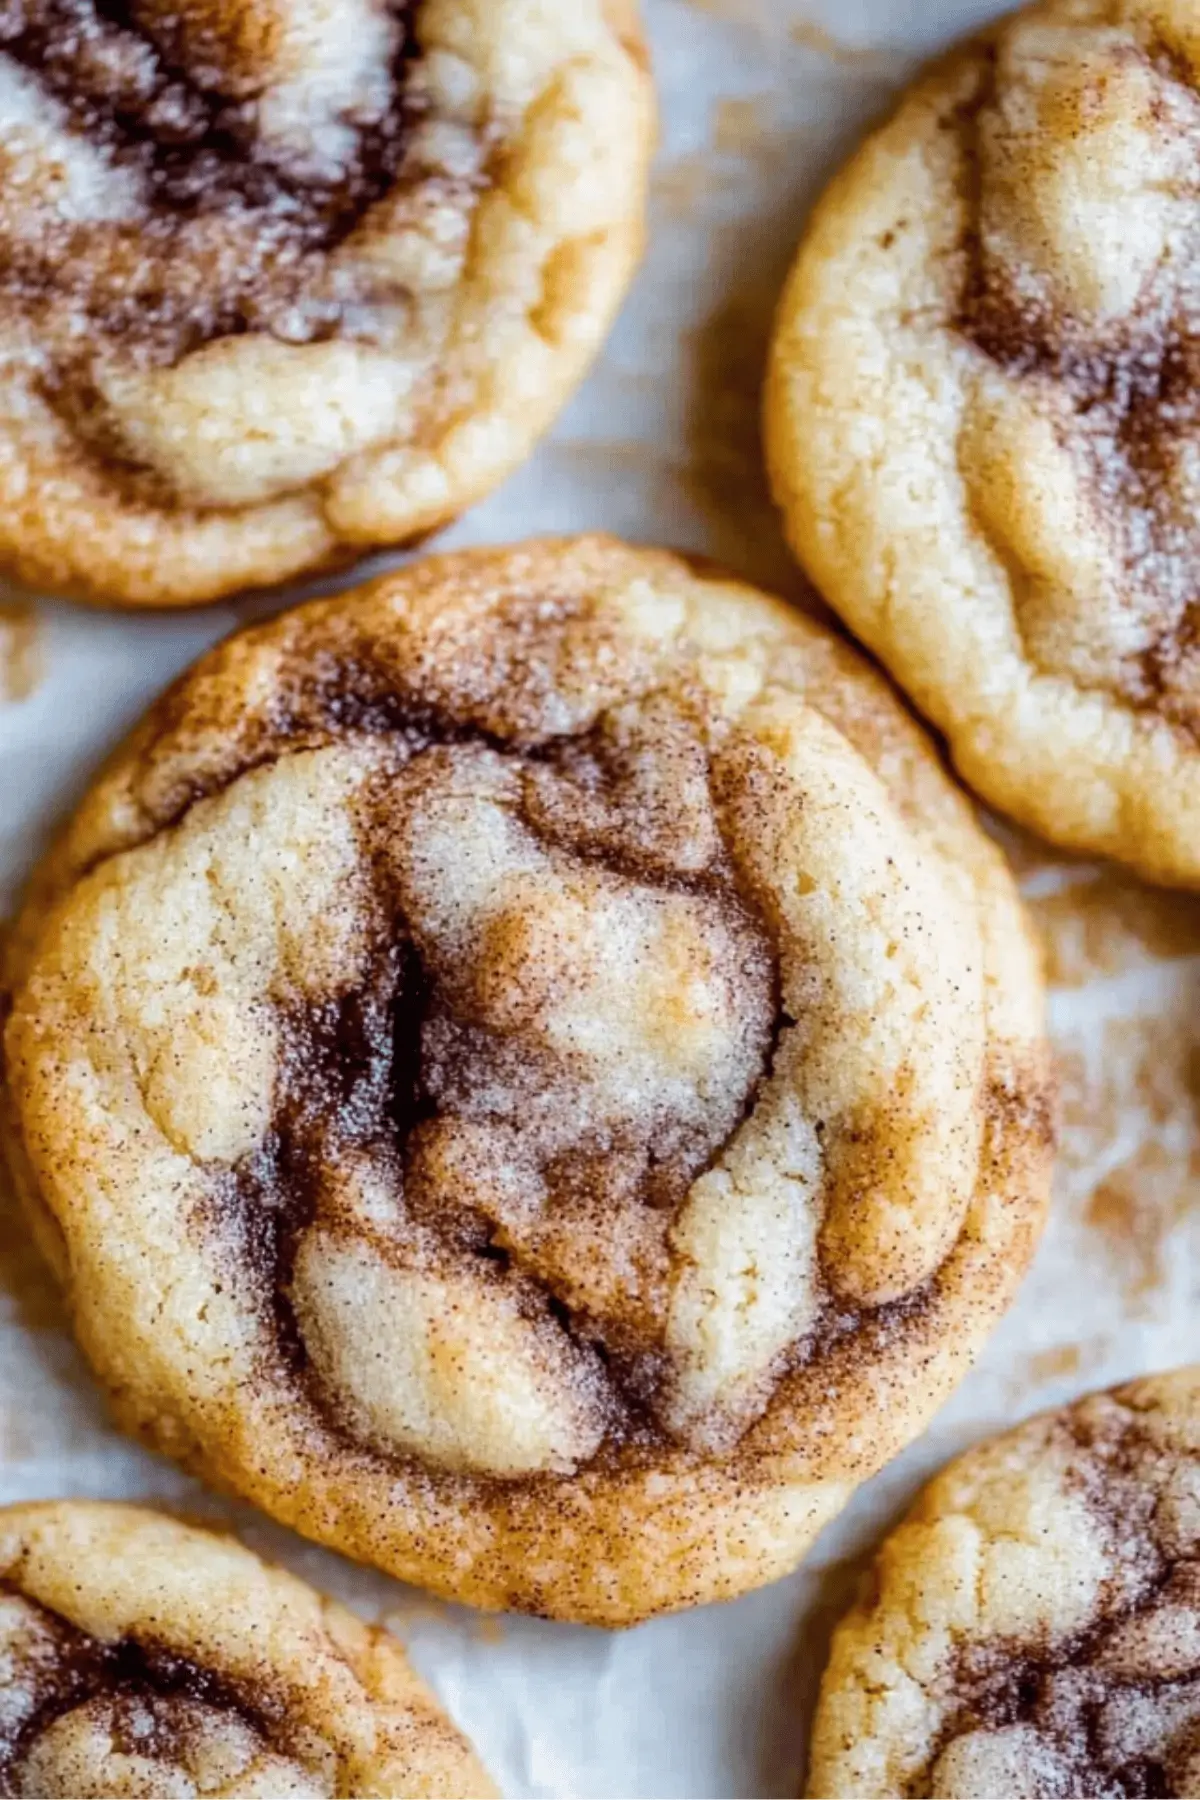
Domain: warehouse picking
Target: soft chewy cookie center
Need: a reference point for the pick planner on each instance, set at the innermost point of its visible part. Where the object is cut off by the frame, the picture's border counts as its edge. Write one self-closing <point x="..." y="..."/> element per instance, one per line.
<point x="1082" y="160"/>
<point x="573" y="1043"/>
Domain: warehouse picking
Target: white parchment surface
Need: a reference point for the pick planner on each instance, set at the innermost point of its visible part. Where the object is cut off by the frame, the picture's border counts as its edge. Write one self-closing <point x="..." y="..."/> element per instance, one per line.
<point x="760" y="100"/>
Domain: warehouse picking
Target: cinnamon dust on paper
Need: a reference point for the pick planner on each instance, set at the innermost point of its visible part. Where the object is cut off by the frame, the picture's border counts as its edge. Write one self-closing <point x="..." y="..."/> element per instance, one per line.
<point x="1059" y="1361"/>
<point x="1110" y="924"/>
<point x="757" y="15"/>
<point x="17" y="1443"/>
<point x="723" y="473"/>
<point x="1132" y="1107"/>
<point x="20" y="649"/>
<point x="745" y="127"/>
<point x="1130" y="1080"/>
<point x="28" y="1290"/>
<point x="774" y="18"/>
<point x="682" y="186"/>
<point x="1137" y="1208"/>
<point x="869" y="59"/>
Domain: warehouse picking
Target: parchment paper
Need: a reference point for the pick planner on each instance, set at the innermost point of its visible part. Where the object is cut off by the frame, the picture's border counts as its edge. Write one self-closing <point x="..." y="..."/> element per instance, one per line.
<point x="760" y="100"/>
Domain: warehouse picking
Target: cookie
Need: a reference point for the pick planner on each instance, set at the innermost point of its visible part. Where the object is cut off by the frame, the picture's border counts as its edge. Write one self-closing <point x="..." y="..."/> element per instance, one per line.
<point x="139" y="1656"/>
<point x="531" y="1073"/>
<point x="983" y="417"/>
<point x="1033" y="1627"/>
<point x="281" y="282"/>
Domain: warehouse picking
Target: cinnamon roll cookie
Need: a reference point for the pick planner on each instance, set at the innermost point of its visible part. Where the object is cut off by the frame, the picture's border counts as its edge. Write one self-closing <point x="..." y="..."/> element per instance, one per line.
<point x="531" y="1073"/>
<point x="142" y="1657"/>
<point x="285" y="279"/>
<point x="1033" y="1628"/>
<point x="983" y="417"/>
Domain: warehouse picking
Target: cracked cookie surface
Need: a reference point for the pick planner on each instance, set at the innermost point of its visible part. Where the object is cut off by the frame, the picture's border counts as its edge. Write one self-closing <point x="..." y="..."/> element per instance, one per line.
<point x="983" y="418"/>
<point x="1033" y="1627"/>
<point x="143" y="1657"/>
<point x="282" y="282"/>
<point x="532" y="1073"/>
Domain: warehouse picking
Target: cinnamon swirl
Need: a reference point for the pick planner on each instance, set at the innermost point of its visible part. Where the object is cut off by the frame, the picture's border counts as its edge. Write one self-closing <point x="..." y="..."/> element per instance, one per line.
<point x="142" y="1657"/>
<point x="983" y="417"/>
<point x="530" y="1072"/>
<point x="284" y="280"/>
<point x="1033" y="1628"/>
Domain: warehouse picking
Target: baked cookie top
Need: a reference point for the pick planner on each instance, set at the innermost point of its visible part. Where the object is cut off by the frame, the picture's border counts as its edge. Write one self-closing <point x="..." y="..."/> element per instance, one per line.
<point x="1033" y="1628"/>
<point x="529" y="1047"/>
<point x="286" y="279"/>
<point x="139" y="1656"/>
<point x="983" y="416"/>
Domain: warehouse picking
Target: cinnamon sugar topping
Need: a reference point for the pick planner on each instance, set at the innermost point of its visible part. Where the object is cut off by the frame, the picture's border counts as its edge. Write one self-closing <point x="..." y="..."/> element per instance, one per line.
<point x="569" y="1069"/>
<point x="1083" y="285"/>
<point x="174" y="177"/>
<point x="82" y="1715"/>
